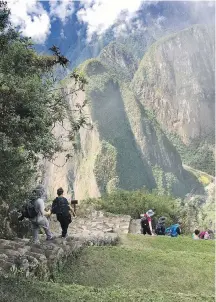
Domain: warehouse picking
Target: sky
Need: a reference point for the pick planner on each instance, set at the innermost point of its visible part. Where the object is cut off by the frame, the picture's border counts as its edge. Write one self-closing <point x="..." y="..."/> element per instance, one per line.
<point x="37" y="18"/>
<point x="67" y="23"/>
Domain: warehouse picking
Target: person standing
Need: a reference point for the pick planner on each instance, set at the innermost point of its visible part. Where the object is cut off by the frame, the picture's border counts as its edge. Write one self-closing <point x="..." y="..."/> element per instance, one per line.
<point x="146" y="223"/>
<point x="37" y="214"/>
<point x="62" y="209"/>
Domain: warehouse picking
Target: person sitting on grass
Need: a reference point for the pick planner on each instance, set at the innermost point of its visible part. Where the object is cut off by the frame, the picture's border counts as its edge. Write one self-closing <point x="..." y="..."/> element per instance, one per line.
<point x="195" y="235"/>
<point x="160" y="227"/>
<point x="62" y="209"/>
<point x="174" y="230"/>
<point x="204" y="235"/>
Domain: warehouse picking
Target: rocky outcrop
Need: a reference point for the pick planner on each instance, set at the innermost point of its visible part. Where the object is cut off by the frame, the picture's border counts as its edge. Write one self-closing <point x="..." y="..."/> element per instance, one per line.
<point x="176" y="82"/>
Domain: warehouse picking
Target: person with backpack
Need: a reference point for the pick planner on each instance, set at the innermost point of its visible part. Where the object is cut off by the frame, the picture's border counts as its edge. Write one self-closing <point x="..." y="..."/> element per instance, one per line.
<point x="146" y="225"/>
<point x="204" y="235"/>
<point x="174" y="230"/>
<point x="34" y="210"/>
<point x="160" y="226"/>
<point x="62" y="209"/>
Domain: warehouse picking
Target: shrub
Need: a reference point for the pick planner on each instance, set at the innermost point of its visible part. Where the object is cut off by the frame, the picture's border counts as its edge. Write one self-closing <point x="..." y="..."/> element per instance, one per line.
<point x="204" y="180"/>
<point x="134" y="203"/>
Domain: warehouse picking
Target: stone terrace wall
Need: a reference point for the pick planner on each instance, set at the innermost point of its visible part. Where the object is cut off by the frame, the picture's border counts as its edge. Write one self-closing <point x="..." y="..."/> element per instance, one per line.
<point x="41" y="261"/>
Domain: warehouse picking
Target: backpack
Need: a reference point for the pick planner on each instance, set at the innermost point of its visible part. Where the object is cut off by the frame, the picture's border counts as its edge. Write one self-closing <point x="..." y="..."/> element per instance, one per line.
<point x="144" y="221"/>
<point x="29" y="210"/>
<point x="173" y="230"/>
<point x="60" y="206"/>
<point x="160" y="229"/>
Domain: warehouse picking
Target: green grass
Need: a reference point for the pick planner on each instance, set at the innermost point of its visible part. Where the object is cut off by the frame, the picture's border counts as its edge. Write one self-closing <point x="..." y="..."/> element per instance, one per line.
<point x="12" y="290"/>
<point x="180" y="244"/>
<point x="139" y="269"/>
<point x="165" y="264"/>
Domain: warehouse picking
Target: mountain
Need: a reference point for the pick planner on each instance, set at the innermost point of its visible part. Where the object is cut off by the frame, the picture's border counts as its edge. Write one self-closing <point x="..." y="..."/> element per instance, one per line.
<point x="132" y="108"/>
<point x="152" y="21"/>
<point x="175" y="80"/>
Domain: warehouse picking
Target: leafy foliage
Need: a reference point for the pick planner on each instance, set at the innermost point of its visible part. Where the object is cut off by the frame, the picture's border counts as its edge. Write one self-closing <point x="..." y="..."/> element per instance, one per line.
<point x="199" y="154"/>
<point x="30" y="105"/>
<point x="105" y="165"/>
<point x="138" y="202"/>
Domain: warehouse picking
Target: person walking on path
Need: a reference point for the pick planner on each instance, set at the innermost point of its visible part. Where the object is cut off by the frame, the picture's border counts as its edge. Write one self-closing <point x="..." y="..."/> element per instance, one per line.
<point x="38" y="215"/>
<point x="63" y="210"/>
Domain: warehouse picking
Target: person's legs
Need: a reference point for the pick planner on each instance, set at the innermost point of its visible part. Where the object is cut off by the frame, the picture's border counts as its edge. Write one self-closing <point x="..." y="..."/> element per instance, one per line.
<point x="35" y="231"/>
<point x="45" y="225"/>
<point x="144" y="230"/>
<point x="148" y="231"/>
<point x="64" y="224"/>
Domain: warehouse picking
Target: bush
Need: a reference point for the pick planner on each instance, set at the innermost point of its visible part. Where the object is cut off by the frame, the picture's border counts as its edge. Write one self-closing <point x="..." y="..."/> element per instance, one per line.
<point x="205" y="180"/>
<point x="137" y="202"/>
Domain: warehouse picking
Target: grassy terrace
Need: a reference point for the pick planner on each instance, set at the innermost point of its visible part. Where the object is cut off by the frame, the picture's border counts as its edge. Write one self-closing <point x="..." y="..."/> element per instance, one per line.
<point x="139" y="269"/>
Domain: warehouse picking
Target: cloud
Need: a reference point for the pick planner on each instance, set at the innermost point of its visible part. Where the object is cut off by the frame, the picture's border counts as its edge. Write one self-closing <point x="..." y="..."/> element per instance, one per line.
<point x="101" y="14"/>
<point x="61" y="9"/>
<point x="31" y="18"/>
<point x="34" y="21"/>
<point x="62" y="34"/>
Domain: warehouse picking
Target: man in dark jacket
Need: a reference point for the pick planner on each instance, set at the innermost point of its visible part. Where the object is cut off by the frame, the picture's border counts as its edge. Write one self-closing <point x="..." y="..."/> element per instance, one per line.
<point x="62" y="209"/>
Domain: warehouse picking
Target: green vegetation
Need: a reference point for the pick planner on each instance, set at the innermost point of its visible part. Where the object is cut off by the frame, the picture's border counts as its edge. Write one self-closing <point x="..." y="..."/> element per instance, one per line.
<point x="160" y="265"/>
<point x="105" y="166"/>
<point x="199" y="154"/>
<point x="164" y="181"/>
<point x="137" y="202"/>
<point x="31" y="104"/>
<point x="141" y="269"/>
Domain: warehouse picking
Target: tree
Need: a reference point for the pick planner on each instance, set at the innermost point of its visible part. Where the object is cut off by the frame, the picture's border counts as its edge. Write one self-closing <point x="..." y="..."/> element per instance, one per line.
<point x="31" y="104"/>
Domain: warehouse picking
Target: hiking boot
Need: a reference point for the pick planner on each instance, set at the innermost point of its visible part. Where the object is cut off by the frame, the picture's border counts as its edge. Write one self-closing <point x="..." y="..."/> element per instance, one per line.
<point x="34" y="242"/>
<point x="51" y="238"/>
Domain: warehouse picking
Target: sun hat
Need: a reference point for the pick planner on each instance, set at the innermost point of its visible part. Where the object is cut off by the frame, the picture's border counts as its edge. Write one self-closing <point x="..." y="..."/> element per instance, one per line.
<point x="150" y="213"/>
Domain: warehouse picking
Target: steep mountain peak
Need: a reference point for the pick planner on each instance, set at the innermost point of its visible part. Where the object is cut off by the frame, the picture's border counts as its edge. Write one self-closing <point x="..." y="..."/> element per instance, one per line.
<point x="119" y="59"/>
<point x="177" y="74"/>
<point x="92" y="67"/>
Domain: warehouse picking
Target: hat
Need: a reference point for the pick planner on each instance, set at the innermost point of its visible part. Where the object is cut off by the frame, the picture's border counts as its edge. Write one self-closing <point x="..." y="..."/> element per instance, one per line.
<point x="162" y="218"/>
<point x="150" y="213"/>
<point x="39" y="192"/>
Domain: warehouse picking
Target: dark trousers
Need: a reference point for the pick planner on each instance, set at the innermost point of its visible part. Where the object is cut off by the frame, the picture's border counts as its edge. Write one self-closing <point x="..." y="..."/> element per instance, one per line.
<point x="146" y="230"/>
<point x="64" y="222"/>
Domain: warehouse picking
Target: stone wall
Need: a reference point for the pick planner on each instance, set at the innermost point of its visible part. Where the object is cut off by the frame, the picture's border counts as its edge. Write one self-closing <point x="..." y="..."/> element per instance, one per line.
<point x="135" y="227"/>
<point x="42" y="261"/>
<point x="20" y="257"/>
